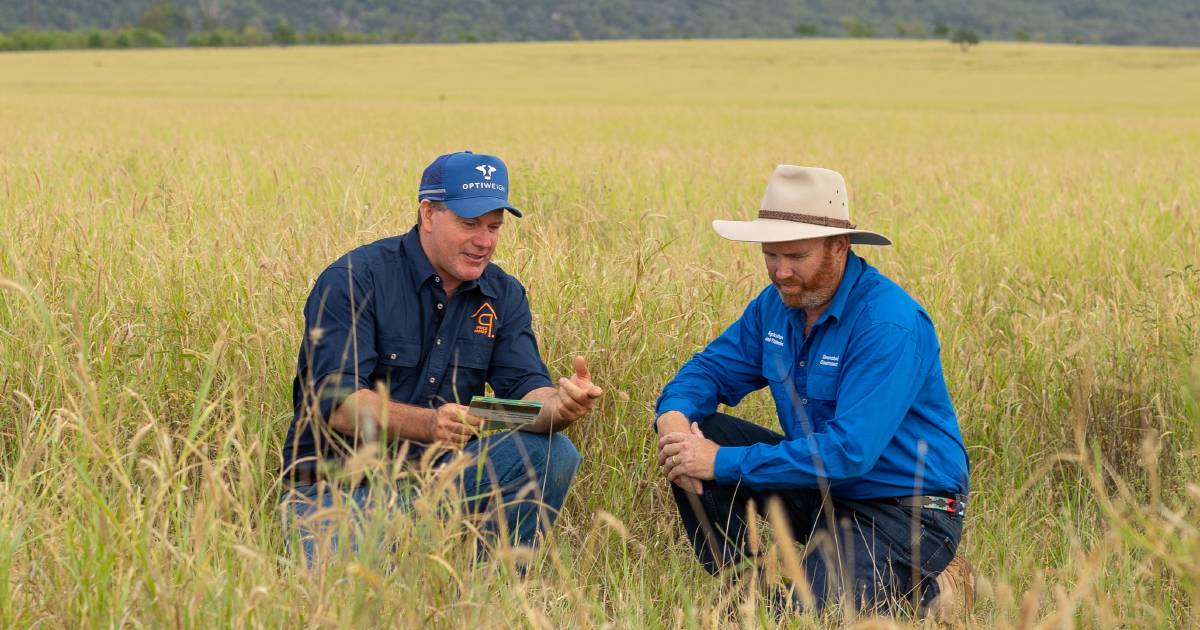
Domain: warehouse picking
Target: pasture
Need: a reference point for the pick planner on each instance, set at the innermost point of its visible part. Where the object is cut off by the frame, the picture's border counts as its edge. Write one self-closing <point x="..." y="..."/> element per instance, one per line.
<point x="164" y="213"/>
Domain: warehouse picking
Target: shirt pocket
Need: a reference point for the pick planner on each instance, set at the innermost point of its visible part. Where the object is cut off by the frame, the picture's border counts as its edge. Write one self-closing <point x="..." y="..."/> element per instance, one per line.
<point x="399" y="353"/>
<point x="473" y="355"/>
<point x="777" y="366"/>
<point x="823" y="385"/>
<point x="468" y="369"/>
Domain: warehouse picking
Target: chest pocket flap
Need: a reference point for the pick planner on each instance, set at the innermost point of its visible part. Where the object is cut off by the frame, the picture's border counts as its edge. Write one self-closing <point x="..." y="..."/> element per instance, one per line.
<point x="823" y="385"/>
<point x="474" y="355"/>
<point x="399" y="353"/>
<point x="776" y="365"/>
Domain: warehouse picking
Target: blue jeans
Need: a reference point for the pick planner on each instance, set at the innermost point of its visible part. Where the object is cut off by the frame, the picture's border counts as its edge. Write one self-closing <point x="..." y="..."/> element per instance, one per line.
<point x="877" y="552"/>
<point x="517" y="480"/>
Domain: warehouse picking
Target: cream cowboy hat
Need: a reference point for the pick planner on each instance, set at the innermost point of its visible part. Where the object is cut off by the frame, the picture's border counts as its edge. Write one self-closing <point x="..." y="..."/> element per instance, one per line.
<point x="801" y="202"/>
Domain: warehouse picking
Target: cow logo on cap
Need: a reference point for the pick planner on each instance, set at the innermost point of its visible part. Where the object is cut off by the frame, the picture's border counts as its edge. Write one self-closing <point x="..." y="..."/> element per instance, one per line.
<point x="487" y="170"/>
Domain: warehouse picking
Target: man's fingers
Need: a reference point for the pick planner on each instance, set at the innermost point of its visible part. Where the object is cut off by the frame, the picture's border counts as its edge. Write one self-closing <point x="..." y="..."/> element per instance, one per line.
<point x="571" y="389"/>
<point x="456" y="430"/>
<point x="570" y="398"/>
<point x="673" y="438"/>
<point x="672" y="449"/>
<point x="696" y="429"/>
<point x="677" y="472"/>
<point x="689" y="483"/>
<point x="571" y="393"/>
<point x="459" y="414"/>
<point x="581" y="369"/>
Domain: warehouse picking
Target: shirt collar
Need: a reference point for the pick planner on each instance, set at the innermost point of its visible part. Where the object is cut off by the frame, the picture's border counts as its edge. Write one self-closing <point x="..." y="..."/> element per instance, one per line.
<point x="421" y="270"/>
<point x="854" y="269"/>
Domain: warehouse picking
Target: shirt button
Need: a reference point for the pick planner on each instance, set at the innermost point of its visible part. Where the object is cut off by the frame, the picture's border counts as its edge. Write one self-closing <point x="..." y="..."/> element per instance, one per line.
<point x="440" y="306"/>
<point x="802" y="364"/>
<point x="438" y="342"/>
<point x="803" y="401"/>
<point x="437" y="278"/>
<point x="392" y="355"/>
<point x="432" y="379"/>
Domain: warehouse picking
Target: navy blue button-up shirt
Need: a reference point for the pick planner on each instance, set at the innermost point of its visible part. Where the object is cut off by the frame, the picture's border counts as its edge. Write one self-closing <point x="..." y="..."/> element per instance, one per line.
<point x="861" y="400"/>
<point x="379" y="315"/>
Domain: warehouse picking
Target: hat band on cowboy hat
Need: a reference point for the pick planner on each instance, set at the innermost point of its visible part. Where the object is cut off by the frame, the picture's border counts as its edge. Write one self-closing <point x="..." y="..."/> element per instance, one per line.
<point x="801" y="202"/>
<point x="806" y="218"/>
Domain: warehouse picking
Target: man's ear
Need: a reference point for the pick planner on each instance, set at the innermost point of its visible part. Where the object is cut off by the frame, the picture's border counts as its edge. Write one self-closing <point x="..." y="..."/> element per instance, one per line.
<point x="839" y="244"/>
<point x="425" y="215"/>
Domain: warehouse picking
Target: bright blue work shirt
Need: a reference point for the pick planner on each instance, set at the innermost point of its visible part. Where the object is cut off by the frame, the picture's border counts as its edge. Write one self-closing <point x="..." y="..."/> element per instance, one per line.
<point x="379" y="315"/>
<point x="861" y="400"/>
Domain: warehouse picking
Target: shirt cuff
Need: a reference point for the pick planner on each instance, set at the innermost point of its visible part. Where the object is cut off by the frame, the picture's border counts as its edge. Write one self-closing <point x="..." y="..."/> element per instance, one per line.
<point x="334" y="389"/>
<point x="682" y="405"/>
<point x="522" y="390"/>
<point x="727" y="467"/>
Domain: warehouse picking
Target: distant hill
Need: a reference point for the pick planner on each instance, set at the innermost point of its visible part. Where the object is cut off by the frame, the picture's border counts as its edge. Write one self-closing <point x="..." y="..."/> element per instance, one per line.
<point x="1150" y="22"/>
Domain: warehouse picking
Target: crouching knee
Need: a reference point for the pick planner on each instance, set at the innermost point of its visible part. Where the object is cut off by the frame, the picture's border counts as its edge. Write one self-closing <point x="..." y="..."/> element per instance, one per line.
<point x="562" y="461"/>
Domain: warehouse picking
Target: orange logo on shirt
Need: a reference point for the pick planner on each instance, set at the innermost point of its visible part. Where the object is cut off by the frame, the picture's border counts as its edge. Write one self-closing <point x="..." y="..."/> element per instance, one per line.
<point x="485" y="318"/>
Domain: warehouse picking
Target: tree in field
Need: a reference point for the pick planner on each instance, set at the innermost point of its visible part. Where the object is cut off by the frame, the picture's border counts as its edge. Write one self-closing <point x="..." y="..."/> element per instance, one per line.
<point x="285" y="34"/>
<point x="965" y="38"/>
<point x="164" y="17"/>
<point x="858" y="28"/>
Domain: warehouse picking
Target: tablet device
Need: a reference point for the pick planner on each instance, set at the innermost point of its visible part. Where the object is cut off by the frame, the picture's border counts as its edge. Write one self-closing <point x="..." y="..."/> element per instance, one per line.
<point x="504" y="413"/>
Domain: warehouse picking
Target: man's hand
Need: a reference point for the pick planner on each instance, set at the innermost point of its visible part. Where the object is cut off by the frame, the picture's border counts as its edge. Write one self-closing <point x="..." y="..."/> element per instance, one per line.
<point x="671" y="422"/>
<point x="577" y="394"/>
<point x="687" y="455"/>
<point x="452" y="425"/>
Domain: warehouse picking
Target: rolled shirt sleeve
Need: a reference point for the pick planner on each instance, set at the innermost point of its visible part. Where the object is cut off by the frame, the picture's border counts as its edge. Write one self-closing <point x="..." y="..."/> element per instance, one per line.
<point x="884" y="371"/>
<point x="338" y="350"/>
<point x="517" y="367"/>
<point x="724" y="372"/>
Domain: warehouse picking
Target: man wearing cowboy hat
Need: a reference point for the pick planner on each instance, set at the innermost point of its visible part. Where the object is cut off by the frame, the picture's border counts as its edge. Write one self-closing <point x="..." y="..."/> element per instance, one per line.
<point x="870" y="471"/>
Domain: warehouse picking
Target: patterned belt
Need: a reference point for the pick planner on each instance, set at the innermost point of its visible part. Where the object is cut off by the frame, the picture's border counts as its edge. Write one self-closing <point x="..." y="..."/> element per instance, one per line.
<point x="956" y="504"/>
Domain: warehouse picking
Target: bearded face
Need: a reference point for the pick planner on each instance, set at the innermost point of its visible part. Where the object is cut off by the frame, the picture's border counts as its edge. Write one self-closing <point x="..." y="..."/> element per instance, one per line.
<point x="806" y="273"/>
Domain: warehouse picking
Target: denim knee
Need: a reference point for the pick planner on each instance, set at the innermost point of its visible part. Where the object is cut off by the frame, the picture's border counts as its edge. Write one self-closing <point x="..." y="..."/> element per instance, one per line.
<point x="562" y="460"/>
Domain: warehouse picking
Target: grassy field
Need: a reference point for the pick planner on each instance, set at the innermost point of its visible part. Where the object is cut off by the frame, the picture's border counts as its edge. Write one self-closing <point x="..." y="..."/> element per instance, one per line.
<point x="163" y="214"/>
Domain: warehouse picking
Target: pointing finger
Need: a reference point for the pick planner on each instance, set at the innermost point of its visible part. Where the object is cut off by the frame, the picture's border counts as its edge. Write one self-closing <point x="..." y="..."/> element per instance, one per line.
<point x="581" y="369"/>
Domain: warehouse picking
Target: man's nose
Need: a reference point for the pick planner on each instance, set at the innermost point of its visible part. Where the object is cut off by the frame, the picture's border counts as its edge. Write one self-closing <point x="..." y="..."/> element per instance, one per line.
<point x="783" y="270"/>
<point x="483" y="240"/>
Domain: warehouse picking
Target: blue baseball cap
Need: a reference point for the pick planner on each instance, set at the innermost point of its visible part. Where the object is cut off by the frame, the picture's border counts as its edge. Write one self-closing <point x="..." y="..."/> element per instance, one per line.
<point x="470" y="184"/>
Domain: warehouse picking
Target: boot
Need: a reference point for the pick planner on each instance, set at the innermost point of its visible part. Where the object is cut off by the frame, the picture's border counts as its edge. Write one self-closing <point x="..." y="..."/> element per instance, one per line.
<point x="956" y="591"/>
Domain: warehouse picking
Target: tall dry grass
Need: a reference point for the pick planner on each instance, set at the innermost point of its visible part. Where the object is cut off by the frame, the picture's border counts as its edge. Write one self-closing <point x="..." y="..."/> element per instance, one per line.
<point x="164" y="214"/>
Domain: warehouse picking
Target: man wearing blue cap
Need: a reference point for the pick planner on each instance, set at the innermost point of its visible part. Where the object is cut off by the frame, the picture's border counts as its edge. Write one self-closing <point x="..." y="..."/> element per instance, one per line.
<point x="400" y="334"/>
